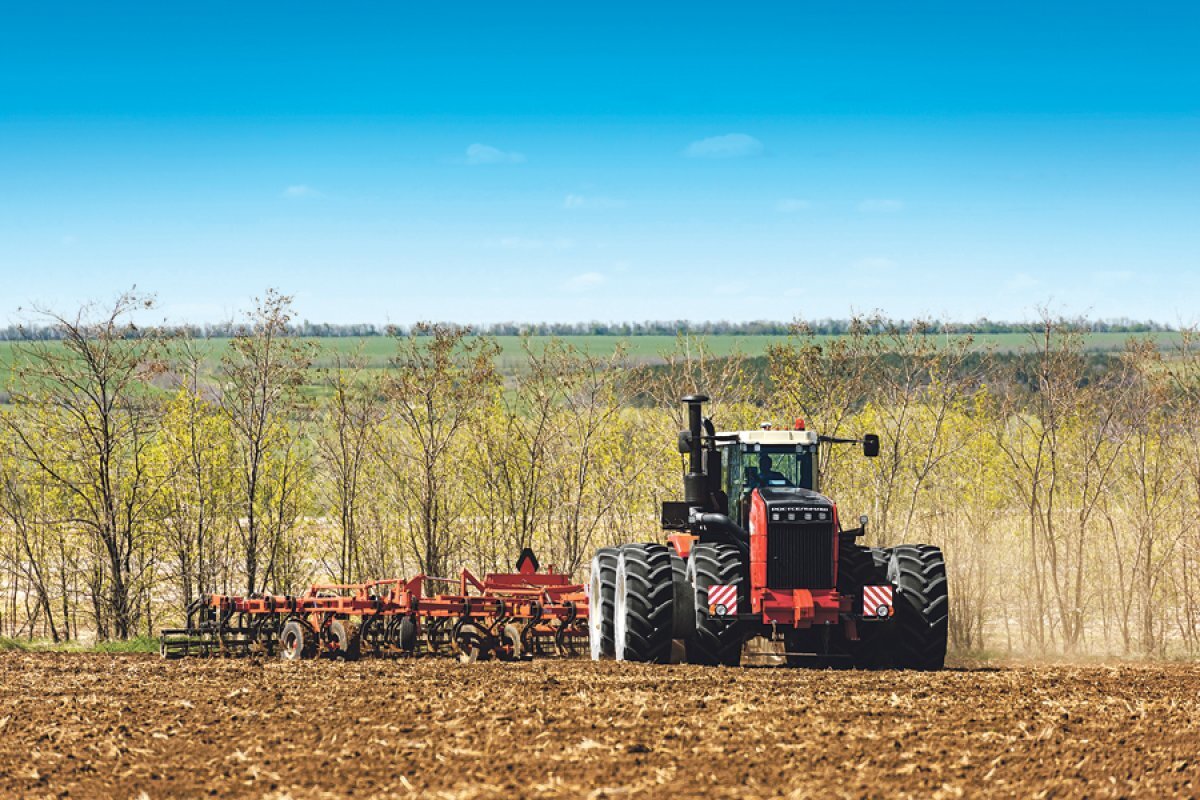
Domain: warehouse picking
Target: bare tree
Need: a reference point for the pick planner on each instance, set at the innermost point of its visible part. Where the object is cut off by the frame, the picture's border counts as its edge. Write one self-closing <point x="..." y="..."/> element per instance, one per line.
<point x="827" y="379"/>
<point x="85" y="422"/>
<point x="350" y="419"/>
<point x="261" y="374"/>
<point x="442" y="379"/>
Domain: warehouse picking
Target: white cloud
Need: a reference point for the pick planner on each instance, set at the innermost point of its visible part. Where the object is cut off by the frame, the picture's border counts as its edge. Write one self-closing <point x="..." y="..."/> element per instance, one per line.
<point x="790" y="205"/>
<point x="300" y="191"/>
<point x="590" y="201"/>
<point x="584" y="282"/>
<point x="523" y="243"/>
<point x="486" y="154"/>
<point x="881" y="206"/>
<point x="731" y="145"/>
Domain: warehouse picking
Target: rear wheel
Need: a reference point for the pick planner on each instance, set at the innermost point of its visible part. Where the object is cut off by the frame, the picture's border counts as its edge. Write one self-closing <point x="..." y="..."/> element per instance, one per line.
<point x="922" y="605"/>
<point x="715" y="640"/>
<point x="600" y="610"/>
<point x="643" y="606"/>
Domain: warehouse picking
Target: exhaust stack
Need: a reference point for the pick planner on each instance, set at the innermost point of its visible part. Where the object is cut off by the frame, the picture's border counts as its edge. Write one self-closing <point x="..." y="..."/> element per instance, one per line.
<point x="695" y="482"/>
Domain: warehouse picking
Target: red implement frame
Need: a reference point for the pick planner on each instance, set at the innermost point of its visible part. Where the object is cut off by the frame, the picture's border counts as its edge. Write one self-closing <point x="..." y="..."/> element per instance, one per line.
<point x="506" y="615"/>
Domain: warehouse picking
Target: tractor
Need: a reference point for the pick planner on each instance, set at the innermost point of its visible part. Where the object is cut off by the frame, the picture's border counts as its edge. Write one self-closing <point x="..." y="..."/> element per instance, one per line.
<point x="755" y="550"/>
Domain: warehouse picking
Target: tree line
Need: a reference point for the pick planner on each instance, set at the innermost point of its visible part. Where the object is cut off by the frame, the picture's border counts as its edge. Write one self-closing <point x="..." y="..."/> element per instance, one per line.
<point x="823" y="327"/>
<point x="133" y="480"/>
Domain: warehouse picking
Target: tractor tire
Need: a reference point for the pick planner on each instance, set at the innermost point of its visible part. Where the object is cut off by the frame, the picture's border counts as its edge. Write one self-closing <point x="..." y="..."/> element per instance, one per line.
<point x="922" y="606"/>
<point x="344" y="642"/>
<point x="643" y="606"/>
<point x="600" y="610"/>
<point x="715" y="641"/>
<point x="297" y="641"/>
<point x="859" y="567"/>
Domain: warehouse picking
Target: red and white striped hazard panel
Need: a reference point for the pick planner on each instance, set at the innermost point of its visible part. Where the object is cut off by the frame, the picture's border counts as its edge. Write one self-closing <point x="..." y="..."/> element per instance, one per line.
<point x="722" y="600"/>
<point x="877" y="601"/>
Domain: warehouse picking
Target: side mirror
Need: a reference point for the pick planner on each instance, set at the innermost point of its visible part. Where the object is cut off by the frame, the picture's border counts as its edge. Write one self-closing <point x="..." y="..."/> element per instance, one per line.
<point x="685" y="442"/>
<point x="870" y="445"/>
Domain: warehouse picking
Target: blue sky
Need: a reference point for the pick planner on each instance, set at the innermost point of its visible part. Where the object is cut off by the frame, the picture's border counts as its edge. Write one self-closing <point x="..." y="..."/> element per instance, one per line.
<point x="386" y="162"/>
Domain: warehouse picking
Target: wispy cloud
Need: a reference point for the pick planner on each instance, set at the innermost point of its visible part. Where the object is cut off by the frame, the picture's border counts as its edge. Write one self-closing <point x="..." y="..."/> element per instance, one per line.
<point x="791" y="205"/>
<point x="881" y="205"/>
<point x="299" y="191"/>
<point x="486" y="154"/>
<point x="584" y="282"/>
<point x="523" y="243"/>
<point x="731" y="145"/>
<point x="591" y="201"/>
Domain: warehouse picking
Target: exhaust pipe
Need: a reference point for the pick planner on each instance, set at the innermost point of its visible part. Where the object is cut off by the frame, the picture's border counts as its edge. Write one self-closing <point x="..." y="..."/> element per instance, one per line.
<point x="695" y="482"/>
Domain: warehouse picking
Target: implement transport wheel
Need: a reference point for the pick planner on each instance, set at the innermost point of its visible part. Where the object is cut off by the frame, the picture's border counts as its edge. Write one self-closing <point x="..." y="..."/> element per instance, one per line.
<point x="922" y="606"/>
<point x="297" y="641"/>
<point x="406" y="635"/>
<point x="510" y="646"/>
<point x="472" y="642"/>
<point x="343" y="639"/>
<point x="715" y="641"/>
<point x="600" y="612"/>
<point x="859" y="567"/>
<point x="644" y="600"/>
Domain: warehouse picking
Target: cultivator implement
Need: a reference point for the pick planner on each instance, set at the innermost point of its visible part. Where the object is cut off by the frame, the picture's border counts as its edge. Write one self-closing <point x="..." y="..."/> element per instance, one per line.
<point x="508" y="616"/>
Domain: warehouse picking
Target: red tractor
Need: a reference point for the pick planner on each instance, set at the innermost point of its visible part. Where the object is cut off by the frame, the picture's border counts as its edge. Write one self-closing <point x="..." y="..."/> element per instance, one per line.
<point x="755" y="549"/>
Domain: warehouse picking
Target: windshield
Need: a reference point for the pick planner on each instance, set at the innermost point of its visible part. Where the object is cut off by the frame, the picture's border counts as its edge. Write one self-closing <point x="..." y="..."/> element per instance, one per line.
<point x="747" y="469"/>
<point x="778" y="469"/>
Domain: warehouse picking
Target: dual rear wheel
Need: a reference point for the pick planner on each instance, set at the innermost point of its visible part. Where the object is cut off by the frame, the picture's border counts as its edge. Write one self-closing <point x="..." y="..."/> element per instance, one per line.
<point x="644" y="598"/>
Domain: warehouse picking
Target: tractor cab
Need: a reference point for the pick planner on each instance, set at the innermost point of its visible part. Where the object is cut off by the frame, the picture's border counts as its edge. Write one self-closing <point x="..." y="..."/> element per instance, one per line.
<point x="765" y="459"/>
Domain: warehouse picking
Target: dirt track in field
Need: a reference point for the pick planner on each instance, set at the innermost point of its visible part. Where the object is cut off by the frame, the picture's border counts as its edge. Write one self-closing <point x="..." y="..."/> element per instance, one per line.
<point x="135" y="726"/>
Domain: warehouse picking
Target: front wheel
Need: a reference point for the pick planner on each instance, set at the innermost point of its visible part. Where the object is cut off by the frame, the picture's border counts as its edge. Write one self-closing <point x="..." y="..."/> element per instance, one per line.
<point x="715" y="640"/>
<point x="922" y="606"/>
<point x="643" y="608"/>
<point x="600" y="600"/>
<point x="859" y="567"/>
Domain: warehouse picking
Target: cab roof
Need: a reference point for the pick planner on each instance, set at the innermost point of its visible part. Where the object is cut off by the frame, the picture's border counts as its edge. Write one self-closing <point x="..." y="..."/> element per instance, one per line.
<point x="769" y="437"/>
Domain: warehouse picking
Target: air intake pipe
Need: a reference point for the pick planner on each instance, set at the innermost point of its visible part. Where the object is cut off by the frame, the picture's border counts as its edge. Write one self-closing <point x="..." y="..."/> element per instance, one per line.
<point x="718" y="527"/>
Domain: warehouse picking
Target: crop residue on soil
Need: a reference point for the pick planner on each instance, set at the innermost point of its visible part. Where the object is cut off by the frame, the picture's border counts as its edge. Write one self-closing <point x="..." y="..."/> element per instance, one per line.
<point x="76" y="725"/>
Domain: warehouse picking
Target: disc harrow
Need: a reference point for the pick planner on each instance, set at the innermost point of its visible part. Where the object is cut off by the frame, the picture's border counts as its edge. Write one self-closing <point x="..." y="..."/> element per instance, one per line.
<point x="507" y="616"/>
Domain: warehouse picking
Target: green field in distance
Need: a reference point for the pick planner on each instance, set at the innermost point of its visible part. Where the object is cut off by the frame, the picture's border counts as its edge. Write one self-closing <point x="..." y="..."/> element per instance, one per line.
<point x="377" y="350"/>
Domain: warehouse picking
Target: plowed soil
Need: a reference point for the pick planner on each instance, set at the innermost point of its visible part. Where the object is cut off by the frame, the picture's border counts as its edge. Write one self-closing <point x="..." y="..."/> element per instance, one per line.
<point x="135" y="726"/>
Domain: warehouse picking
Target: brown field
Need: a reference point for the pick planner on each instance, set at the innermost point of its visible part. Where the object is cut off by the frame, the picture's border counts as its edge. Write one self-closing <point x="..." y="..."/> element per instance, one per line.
<point x="74" y="725"/>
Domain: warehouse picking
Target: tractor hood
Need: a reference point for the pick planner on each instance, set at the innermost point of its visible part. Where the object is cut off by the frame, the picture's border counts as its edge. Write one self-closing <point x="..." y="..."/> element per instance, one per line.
<point x="787" y="504"/>
<point x="773" y="495"/>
